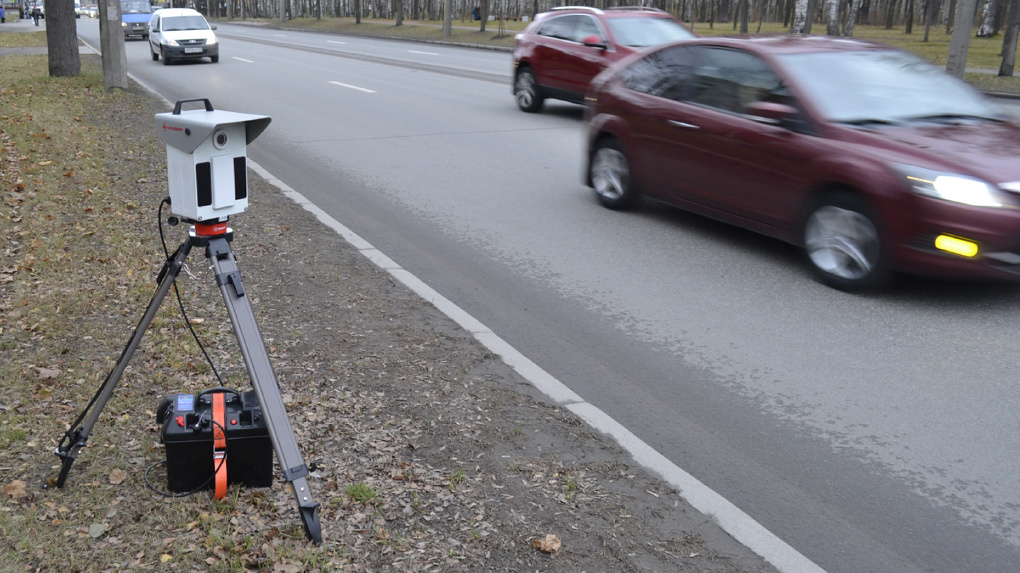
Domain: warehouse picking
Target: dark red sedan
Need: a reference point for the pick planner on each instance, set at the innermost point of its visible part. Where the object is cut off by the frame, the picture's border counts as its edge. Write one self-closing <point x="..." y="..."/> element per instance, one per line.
<point x="871" y="159"/>
<point x="559" y="53"/>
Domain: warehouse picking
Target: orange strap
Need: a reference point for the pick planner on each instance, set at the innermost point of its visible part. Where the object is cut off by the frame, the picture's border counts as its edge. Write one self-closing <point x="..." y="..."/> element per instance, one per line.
<point x="219" y="444"/>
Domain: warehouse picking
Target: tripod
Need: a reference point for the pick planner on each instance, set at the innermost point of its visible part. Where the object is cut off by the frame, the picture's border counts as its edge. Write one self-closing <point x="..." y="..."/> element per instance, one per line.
<point x="216" y="240"/>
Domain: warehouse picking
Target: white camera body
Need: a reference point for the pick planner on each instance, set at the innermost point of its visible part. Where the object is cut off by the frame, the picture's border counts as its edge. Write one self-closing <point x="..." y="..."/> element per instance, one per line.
<point x="206" y="160"/>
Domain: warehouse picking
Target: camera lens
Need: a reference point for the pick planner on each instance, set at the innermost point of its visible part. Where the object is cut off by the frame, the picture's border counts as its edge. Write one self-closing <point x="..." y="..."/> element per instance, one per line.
<point x="220" y="139"/>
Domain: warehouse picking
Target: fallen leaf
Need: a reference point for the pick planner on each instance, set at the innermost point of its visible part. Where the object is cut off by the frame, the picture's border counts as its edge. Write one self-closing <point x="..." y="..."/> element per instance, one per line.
<point x="549" y="544"/>
<point x="15" y="489"/>
<point x="47" y="373"/>
<point x="118" y="476"/>
<point x="164" y="558"/>
<point x="96" y="530"/>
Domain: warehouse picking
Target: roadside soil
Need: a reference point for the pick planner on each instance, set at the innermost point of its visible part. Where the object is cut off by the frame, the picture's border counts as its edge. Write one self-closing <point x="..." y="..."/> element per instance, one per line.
<point x="431" y="454"/>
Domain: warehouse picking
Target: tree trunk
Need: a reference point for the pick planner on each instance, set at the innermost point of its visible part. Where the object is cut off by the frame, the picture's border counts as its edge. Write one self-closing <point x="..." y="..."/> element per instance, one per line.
<point x="62" y="39"/>
<point x="959" y="43"/>
<point x="745" y="7"/>
<point x="832" y="17"/>
<point x="400" y="12"/>
<point x="909" y="28"/>
<point x="851" y="17"/>
<point x="800" y="16"/>
<point x="1009" y="39"/>
<point x="988" y="13"/>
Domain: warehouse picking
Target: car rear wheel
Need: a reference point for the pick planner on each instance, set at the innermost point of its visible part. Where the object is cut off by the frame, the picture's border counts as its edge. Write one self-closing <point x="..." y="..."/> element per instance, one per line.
<point x="843" y="244"/>
<point x="526" y="91"/>
<point x="610" y="176"/>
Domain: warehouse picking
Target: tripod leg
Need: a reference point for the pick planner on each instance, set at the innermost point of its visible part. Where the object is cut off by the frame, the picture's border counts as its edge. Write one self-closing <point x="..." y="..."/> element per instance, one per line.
<point x="77" y="436"/>
<point x="264" y="381"/>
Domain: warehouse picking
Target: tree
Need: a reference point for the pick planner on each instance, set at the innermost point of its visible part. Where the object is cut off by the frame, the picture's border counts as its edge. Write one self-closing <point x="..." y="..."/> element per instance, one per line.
<point x="831" y="8"/>
<point x="800" y="17"/>
<point x="1009" y="39"/>
<point x="62" y="39"/>
<point x="959" y="43"/>
<point x="851" y="17"/>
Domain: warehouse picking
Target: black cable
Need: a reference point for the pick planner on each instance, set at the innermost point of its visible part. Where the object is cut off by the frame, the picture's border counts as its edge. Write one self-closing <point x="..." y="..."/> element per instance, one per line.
<point x="177" y="293"/>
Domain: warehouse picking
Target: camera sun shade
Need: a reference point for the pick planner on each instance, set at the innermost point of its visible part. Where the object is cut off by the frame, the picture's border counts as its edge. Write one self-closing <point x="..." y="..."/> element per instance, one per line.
<point x="206" y="159"/>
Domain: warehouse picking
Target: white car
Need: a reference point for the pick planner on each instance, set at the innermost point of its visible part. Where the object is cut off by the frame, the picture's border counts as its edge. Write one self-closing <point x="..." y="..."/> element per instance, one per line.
<point x="181" y="33"/>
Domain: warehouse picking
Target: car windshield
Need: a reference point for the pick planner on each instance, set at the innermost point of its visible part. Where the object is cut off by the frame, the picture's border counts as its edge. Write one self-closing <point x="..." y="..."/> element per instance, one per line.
<point x="135" y="7"/>
<point x="876" y="87"/>
<point x="643" y="31"/>
<point x="177" y="23"/>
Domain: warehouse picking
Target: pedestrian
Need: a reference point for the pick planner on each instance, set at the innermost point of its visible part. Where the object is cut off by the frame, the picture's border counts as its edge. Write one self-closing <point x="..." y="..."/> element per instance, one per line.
<point x="35" y="14"/>
<point x="3" y="16"/>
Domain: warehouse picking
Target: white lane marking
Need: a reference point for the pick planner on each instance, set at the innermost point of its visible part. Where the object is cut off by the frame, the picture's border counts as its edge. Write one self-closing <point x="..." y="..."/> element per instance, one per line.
<point x="729" y="517"/>
<point x="334" y="42"/>
<point x="280" y="35"/>
<point x="352" y="87"/>
<point x="242" y="59"/>
<point x="425" y="53"/>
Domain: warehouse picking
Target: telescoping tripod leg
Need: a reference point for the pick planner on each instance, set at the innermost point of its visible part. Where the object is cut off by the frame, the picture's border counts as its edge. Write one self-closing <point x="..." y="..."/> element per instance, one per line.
<point x="76" y="437"/>
<point x="264" y="381"/>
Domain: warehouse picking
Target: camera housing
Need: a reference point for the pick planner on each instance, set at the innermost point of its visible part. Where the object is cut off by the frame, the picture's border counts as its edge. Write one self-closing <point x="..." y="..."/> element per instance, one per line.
<point x="206" y="159"/>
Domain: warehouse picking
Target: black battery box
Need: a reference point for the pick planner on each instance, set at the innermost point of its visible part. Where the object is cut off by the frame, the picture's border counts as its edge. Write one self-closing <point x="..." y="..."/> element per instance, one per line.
<point x="187" y="433"/>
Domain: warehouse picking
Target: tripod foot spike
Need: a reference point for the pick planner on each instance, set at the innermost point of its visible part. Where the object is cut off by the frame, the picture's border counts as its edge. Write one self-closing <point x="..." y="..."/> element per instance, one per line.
<point x="310" y="518"/>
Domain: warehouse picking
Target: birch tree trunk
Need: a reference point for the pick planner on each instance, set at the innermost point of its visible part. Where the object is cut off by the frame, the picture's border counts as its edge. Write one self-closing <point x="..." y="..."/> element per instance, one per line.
<point x="832" y="17"/>
<point x="1009" y="39"/>
<point x="800" y="16"/>
<point x="851" y="17"/>
<point x="959" y="44"/>
<point x="987" y="27"/>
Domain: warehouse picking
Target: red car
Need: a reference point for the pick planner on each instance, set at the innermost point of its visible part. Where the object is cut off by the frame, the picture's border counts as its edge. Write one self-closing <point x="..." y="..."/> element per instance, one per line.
<point x="871" y="159"/>
<point x="559" y="53"/>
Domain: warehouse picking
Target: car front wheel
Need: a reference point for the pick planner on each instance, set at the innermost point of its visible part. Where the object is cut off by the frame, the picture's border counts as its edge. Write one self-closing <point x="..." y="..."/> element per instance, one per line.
<point x="843" y="244"/>
<point x="526" y="91"/>
<point x="153" y="53"/>
<point x="166" y="60"/>
<point x="609" y="172"/>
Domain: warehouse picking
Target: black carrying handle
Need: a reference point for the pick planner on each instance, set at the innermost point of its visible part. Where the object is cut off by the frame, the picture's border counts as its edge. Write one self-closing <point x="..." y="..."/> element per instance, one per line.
<point x="177" y="108"/>
<point x="218" y="389"/>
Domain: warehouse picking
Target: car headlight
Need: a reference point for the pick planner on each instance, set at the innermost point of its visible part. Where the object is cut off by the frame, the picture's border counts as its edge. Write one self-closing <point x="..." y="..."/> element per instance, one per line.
<point x="123" y="24"/>
<point x="170" y="42"/>
<point x="210" y="41"/>
<point x="952" y="187"/>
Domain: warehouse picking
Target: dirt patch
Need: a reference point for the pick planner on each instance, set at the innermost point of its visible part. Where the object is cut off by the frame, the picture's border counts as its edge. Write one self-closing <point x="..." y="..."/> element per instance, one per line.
<point x="431" y="453"/>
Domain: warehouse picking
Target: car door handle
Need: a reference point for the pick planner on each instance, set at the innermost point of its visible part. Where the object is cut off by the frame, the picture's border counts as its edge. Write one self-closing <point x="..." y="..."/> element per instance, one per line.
<point x="683" y="125"/>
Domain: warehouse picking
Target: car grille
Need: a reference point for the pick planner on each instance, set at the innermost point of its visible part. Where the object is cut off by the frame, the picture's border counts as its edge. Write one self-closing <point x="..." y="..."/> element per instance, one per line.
<point x="198" y="42"/>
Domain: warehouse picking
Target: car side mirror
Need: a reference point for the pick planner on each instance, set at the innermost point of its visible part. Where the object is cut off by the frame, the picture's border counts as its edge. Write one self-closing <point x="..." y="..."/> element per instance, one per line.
<point x="772" y="113"/>
<point x="594" y="41"/>
<point x="212" y="27"/>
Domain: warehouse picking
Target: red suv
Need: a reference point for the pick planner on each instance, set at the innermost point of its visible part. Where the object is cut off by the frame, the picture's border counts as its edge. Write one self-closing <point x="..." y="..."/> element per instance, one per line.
<point x="559" y="53"/>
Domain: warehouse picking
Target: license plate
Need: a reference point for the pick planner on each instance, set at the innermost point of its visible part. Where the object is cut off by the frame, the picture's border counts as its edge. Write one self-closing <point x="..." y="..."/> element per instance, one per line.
<point x="192" y="50"/>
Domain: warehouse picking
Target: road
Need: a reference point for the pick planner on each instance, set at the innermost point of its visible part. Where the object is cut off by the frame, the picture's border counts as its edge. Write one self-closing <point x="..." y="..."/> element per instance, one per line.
<point x="872" y="433"/>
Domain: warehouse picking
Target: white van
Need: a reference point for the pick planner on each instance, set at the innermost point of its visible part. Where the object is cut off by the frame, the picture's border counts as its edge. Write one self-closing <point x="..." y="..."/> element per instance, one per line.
<point x="181" y="33"/>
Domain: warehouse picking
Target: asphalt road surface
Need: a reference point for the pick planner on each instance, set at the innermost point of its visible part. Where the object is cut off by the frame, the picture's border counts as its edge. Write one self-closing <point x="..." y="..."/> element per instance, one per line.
<point x="872" y="433"/>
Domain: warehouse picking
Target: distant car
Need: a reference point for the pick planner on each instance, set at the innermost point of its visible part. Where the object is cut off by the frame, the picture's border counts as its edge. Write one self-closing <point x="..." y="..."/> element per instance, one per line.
<point x="559" y="53"/>
<point x="181" y="33"/>
<point x="93" y="12"/>
<point x="134" y="17"/>
<point x="868" y="157"/>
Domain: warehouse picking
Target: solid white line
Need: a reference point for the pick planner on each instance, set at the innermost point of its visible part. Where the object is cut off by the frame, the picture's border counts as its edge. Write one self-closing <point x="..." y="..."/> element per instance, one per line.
<point x="334" y="42"/>
<point x="352" y="87"/>
<point x="730" y="518"/>
<point x="426" y="53"/>
<point x="242" y="59"/>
